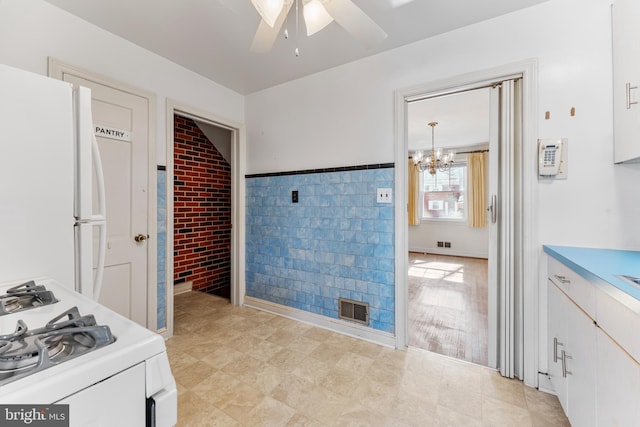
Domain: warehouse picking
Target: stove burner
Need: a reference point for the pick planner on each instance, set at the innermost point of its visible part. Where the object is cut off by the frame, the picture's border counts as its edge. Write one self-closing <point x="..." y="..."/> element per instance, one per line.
<point x="25" y="296"/>
<point x="25" y="351"/>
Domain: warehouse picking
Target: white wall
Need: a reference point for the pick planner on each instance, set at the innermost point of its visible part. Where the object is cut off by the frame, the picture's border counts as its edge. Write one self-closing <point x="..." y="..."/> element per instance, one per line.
<point x="219" y="137"/>
<point x="465" y="241"/>
<point x="32" y="30"/>
<point x="344" y="116"/>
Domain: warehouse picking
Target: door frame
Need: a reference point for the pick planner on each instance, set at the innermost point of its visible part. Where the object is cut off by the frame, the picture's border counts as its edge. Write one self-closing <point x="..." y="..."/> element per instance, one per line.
<point x="238" y="167"/>
<point x="56" y="69"/>
<point x="527" y="249"/>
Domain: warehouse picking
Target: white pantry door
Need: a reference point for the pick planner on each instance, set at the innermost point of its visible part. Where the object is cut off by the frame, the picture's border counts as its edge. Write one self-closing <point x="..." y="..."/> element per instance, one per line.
<point x="125" y="164"/>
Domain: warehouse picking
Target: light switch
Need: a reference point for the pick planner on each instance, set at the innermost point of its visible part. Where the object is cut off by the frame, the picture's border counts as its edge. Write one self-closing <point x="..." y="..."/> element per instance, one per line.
<point x="384" y="195"/>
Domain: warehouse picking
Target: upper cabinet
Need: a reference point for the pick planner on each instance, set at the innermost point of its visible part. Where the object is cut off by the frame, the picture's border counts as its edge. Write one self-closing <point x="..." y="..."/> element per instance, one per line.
<point x="626" y="80"/>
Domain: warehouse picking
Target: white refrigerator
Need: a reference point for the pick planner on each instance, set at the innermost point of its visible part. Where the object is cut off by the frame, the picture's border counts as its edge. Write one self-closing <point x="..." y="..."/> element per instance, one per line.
<point x="51" y="224"/>
<point x="52" y="231"/>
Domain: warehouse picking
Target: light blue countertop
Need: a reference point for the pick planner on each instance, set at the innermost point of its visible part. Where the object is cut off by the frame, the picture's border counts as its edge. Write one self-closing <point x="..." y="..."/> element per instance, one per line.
<point x="600" y="265"/>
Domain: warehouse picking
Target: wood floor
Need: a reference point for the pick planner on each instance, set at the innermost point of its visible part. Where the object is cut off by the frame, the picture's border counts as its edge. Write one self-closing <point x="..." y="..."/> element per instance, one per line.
<point x="448" y="306"/>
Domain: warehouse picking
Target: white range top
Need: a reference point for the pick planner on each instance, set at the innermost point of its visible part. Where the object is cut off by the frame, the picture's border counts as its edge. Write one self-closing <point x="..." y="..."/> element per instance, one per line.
<point x="133" y="345"/>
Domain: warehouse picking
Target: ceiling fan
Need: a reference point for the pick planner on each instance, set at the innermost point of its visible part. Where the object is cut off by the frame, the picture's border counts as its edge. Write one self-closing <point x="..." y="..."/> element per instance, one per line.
<point x="317" y="14"/>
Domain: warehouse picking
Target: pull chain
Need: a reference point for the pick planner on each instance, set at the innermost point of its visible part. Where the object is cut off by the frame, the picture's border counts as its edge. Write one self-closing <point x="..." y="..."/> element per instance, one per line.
<point x="297" y="51"/>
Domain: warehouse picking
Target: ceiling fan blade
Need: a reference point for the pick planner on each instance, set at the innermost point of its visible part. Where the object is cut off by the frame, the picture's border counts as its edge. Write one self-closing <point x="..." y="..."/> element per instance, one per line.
<point x="355" y="21"/>
<point x="266" y="36"/>
<point x="399" y="3"/>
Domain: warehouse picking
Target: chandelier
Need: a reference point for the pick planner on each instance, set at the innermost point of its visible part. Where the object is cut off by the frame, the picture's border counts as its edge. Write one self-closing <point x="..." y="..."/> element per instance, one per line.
<point x="436" y="161"/>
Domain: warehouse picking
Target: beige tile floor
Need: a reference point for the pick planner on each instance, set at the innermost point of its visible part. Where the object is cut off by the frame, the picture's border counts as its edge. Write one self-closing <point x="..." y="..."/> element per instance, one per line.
<point x="237" y="366"/>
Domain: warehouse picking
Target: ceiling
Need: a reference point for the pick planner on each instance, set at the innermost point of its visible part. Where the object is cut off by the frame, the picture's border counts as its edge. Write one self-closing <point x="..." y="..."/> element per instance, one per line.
<point x="213" y="37"/>
<point x="463" y="120"/>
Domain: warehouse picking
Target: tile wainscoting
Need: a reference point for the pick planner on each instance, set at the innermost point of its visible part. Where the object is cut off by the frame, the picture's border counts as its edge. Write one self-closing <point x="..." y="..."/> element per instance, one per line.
<point x="162" y="245"/>
<point x="336" y="241"/>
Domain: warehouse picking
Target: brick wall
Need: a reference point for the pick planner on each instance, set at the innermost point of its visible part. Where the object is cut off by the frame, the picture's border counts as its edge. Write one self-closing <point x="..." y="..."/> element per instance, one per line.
<point x="202" y="211"/>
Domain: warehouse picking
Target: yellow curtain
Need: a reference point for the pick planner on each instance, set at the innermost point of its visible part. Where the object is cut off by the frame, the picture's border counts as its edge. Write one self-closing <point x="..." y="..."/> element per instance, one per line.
<point x="477" y="193"/>
<point x="414" y="194"/>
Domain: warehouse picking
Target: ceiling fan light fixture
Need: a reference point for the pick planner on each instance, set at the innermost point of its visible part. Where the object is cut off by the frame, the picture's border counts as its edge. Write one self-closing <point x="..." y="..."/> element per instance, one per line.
<point x="316" y="16"/>
<point x="269" y="10"/>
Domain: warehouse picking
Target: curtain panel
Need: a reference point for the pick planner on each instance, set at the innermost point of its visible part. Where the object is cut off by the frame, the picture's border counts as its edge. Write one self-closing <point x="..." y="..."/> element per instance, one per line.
<point x="414" y="194"/>
<point x="477" y="214"/>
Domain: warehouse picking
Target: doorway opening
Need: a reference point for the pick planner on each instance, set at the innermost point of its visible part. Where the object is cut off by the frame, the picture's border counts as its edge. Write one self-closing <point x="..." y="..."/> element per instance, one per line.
<point x="513" y="333"/>
<point x="204" y="187"/>
<point x="448" y="232"/>
<point x="202" y="207"/>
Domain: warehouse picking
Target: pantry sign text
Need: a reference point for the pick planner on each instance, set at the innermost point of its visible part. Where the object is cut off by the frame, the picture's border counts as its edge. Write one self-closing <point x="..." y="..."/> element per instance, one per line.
<point x="113" y="133"/>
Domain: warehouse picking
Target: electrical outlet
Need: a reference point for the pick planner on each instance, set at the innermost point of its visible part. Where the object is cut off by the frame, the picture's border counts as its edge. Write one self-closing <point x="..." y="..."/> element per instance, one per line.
<point x="384" y="195"/>
<point x="441" y="244"/>
<point x="294" y="196"/>
<point x="447" y="244"/>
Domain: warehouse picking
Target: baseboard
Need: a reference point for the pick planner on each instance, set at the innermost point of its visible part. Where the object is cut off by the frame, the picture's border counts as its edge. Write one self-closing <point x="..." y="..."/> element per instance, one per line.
<point x="336" y="325"/>
<point x="182" y="288"/>
<point x="452" y="252"/>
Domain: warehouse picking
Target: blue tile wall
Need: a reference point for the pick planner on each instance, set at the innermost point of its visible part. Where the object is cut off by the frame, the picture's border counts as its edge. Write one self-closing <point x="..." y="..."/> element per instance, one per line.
<point x="162" y="244"/>
<point x="337" y="241"/>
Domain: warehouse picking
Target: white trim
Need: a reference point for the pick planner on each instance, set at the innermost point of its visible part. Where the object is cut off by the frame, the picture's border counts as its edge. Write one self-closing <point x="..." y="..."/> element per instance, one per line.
<point x="238" y="167"/>
<point x="530" y="243"/>
<point x="182" y="288"/>
<point x="57" y="69"/>
<point x="528" y="69"/>
<point x="336" y="325"/>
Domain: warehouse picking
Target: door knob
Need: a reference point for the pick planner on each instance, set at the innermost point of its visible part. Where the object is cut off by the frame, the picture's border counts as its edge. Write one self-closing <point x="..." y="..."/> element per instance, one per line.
<point x="140" y="238"/>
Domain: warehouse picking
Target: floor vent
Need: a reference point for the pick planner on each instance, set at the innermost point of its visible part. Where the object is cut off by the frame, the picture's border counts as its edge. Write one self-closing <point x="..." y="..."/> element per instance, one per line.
<point x="354" y="310"/>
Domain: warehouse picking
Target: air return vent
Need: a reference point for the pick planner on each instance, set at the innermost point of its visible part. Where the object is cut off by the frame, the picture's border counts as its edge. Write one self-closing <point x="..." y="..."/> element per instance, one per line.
<point x="353" y="310"/>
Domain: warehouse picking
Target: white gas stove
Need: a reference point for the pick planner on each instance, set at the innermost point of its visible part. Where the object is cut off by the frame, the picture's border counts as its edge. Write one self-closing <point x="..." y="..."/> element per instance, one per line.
<point x="59" y="347"/>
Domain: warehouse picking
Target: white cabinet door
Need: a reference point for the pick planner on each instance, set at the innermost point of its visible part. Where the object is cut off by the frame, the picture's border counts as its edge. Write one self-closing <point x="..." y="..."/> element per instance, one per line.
<point x="618" y="382"/>
<point x="117" y="401"/>
<point x="626" y="79"/>
<point x="580" y="367"/>
<point x="572" y="357"/>
<point x="557" y="336"/>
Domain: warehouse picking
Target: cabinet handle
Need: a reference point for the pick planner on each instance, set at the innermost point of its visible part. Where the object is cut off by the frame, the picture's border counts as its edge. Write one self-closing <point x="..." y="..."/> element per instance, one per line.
<point x="628" y="91"/>
<point x="556" y="343"/>
<point x="562" y="279"/>
<point x="564" y="357"/>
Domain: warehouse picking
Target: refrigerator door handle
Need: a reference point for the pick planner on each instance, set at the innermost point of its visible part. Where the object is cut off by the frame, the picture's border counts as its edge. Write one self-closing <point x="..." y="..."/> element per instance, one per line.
<point x="102" y="249"/>
<point x="101" y="215"/>
<point x="99" y="218"/>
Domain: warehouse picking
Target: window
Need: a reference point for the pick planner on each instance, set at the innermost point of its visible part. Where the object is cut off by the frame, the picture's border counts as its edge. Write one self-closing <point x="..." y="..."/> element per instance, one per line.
<point x="444" y="194"/>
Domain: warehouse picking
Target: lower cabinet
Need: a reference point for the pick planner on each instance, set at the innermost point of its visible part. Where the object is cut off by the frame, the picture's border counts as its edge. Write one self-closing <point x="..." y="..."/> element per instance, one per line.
<point x="618" y="384"/>
<point x="572" y="357"/>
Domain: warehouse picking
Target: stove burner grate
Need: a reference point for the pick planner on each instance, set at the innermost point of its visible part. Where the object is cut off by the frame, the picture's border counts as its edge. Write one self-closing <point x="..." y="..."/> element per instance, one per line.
<point x="25" y="296"/>
<point x="25" y="351"/>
